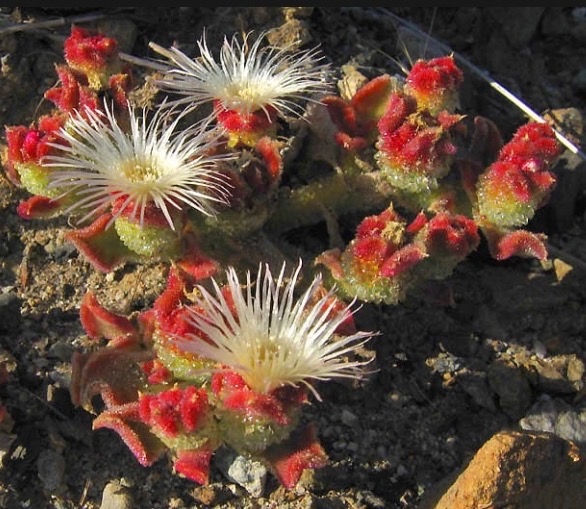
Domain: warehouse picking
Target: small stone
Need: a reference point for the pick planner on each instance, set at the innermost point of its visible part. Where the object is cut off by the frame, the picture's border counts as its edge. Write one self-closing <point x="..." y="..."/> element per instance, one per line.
<point x="293" y="34"/>
<point x="558" y="417"/>
<point x="561" y="374"/>
<point x="512" y="388"/>
<point x="206" y="495"/>
<point x="477" y="388"/>
<point x="541" y="416"/>
<point x="571" y="425"/>
<point x="575" y="371"/>
<point x="561" y="268"/>
<point x="352" y="80"/>
<point x="348" y="418"/>
<point x="51" y="467"/>
<point x="352" y="447"/>
<point x="116" y="496"/>
<point x="249" y="474"/>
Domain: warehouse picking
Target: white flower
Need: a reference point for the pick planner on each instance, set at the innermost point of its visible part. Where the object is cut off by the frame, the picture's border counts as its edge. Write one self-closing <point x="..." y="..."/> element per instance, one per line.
<point x="151" y="162"/>
<point x="272" y="339"/>
<point x="247" y="78"/>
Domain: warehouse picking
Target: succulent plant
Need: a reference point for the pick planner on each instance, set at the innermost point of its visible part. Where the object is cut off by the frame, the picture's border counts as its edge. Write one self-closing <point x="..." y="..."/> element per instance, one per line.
<point x="230" y="365"/>
<point x="222" y="360"/>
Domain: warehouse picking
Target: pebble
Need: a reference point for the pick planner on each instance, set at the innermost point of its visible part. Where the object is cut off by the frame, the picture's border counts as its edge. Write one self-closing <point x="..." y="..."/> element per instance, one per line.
<point x="116" y="496"/>
<point x="249" y="474"/>
<point x="556" y="416"/>
<point x="348" y="418"/>
<point x="352" y="447"/>
<point x="50" y="468"/>
<point x="512" y="388"/>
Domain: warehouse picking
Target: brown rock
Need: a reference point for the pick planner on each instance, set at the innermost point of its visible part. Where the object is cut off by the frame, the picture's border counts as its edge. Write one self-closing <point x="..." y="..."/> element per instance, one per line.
<point x="560" y="374"/>
<point x="520" y="470"/>
<point x="511" y="386"/>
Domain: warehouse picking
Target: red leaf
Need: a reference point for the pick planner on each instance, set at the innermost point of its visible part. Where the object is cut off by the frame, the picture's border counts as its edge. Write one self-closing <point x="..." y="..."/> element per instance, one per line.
<point x="195" y="264"/>
<point x="111" y="372"/>
<point x="192" y="408"/>
<point x="451" y="235"/>
<point x="269" y="149"/>
<point x="156" y="371"/>
<point x="195" y="463"/>
<point x="299" y="452"/>
<point x="38" y="207"/>
<point x="232" y="390"/>
<point x="486" y="140"/>
<point x="370" y="250"/>
<point x="521" y="243"/>
<point x="100" y="245"/>
<point x="145" y="446"/>
<point x="341" y="113"/>
<point x="332" y="260"/>
<point x="402" y="260"/>
<point x="98" y="322"/>
<point x="417" y="224"/>
<point x="372" y="96"/>
<point x="235" y="122"/>
<point x="92" y="54"/>
<point x="398" y="109"/>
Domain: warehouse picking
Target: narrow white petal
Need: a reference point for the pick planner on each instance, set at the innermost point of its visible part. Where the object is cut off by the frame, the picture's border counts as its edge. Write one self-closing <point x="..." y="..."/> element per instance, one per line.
<point x="152" y="162"/>
<point x="270" y="338"/>
<point x="246" y="77"/>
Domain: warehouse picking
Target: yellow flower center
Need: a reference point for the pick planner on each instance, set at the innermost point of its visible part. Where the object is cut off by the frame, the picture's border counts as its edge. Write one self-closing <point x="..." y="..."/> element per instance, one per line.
<point x="140" y="171"/>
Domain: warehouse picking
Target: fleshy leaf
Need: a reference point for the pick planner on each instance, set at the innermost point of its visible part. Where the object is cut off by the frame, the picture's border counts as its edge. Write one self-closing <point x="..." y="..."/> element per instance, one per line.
<point x="111" y="372"/>
<point x="145" y="446"/>
<point x="100" y="245"/>
<point x="73" y="94"/>
<point x="521" y="243"/>
<point x="269" y="149"/>
<point x="98" y="322"/>
<point x="356" y="119"/>
<point x="194" y="463"/>
<point x="237" y="396"/>
<point x="402" y="260"/>
<point x="175" y="410"/>
<point x="486" y="140"/>
<point x="93" y="54"/>
<point x="435" y="83"/>
<point x="370" y="100"/>
<point x="195" y="264"/>
<point x="332" y="260"/>
<point x="290" y="458"/>
<point x="243" y="128"/>
<point x="451" y="235"/>
<point x="39" y="207"/>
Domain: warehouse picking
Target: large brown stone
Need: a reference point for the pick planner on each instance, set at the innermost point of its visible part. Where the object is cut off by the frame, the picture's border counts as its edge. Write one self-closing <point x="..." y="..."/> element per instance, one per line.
<point x="517" y="470"/>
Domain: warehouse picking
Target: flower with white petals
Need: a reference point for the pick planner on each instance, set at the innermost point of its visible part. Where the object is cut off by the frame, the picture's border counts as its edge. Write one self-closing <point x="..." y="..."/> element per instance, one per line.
<point x="247" y="78"/>
<point x="271" y="338"/>
<point x="152" y="162"/>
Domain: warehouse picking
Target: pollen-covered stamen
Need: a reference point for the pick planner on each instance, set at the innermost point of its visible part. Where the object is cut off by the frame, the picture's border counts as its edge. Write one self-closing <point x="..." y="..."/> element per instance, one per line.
<point x="271" y="338"/>
<point x="247" y="78"/>
<point x="152" y="162"/>
<point x="140" y="171"/>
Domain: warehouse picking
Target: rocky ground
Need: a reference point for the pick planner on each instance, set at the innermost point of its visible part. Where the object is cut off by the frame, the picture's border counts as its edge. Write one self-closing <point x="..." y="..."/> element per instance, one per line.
<point x="485" y="375"/>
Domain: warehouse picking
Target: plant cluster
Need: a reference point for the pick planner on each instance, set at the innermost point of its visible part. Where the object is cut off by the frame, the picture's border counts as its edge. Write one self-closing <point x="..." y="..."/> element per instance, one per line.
<point x="225" y="357"/>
